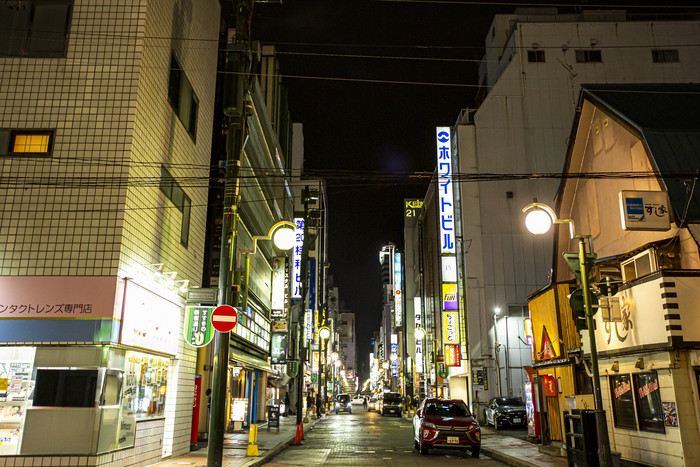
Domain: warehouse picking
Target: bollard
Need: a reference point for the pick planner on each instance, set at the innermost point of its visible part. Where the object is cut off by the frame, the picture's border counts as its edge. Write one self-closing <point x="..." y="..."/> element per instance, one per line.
<point x="252" y="449"/>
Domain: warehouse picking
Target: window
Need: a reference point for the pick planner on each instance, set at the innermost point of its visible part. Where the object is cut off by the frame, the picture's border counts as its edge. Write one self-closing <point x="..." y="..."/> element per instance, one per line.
<point x="65" y="388"/>
<point x="639" y="266"/>
<point x="174" y="192"/>
<point x="622" y="399"/>
<point x="182" y="97"/>
<point x="535" y="56"/>
<point x="588" y="56"/>
<point x="664" y="55"/>
<point x="26" y="142"/>
<point x="35" y="28"/>
<point x="651" y="417"/>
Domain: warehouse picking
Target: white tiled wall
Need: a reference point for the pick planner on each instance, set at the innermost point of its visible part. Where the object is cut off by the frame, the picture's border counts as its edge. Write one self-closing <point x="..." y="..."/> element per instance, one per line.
<point x="95" y="207"/>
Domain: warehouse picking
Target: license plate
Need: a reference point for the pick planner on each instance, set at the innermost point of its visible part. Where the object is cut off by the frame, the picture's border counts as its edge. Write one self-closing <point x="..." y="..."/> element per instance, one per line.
<point x="391" y="410"/>
<point x="452" y="440"/>
<point x="517" y="420"/>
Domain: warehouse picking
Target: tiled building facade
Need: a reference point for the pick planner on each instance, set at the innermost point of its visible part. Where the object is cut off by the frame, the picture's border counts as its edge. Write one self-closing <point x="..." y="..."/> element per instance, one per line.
<point x="105" y="143"/>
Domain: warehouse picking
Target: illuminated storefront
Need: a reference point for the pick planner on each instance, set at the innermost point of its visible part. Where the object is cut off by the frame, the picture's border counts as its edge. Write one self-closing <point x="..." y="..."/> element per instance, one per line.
<point x="99" y="376"/>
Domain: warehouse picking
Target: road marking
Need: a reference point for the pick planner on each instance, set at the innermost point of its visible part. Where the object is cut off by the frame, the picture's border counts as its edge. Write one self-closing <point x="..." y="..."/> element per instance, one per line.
<point x="365" y="452"/>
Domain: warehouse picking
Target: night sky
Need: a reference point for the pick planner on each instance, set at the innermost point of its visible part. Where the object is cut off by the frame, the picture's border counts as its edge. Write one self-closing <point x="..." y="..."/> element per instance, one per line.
<point x="356" y="126"/>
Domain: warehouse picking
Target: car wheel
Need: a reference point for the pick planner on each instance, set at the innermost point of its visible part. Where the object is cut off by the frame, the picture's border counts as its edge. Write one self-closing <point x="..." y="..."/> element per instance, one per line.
<point x="476" y="451"/>
<point x="423" y="448"/>
<point x="416" y="445"/>
<point x="399" y="415"/>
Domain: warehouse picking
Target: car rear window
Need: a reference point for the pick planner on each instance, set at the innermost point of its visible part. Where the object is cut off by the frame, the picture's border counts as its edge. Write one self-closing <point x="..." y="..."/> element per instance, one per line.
<point x="343" y="398"/>
<point x="447" y="409"/>
<point x="392" y="397"/>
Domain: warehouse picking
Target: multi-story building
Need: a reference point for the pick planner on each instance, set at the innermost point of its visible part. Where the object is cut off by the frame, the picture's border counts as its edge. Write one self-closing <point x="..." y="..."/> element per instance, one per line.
<point x="535" y="62"/>
<point x="348" y="347"/>
<point x="642" y="226"/>
<point x="105" y="143"/>
<point x="260" y="268"/>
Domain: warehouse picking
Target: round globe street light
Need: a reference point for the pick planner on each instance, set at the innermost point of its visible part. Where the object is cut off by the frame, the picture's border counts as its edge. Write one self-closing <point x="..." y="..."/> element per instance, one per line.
<point x="419" y="333"/>
<point x="283" y="235"/>
<point x="540" y="218"/>
<point x="334" y="356"/>
<point x="337" y="363"/>
<point x="324" y="333"/>
<point x="539" y="225"/>
<point x="386" y="365"/>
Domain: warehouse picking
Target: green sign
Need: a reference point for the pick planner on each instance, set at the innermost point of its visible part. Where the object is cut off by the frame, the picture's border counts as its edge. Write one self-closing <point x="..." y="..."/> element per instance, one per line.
<point x="198" y="330"/>
<point x="292" y="369"/>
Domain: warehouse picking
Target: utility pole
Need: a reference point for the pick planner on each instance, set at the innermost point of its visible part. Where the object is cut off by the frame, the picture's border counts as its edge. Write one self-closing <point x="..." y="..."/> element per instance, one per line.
<point x="302" y="311"/>
<point x="234" y="108"/>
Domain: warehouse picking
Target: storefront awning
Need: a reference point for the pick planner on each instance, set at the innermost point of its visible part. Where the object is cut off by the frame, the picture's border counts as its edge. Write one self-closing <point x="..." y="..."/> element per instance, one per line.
<point x="249" y="361"/>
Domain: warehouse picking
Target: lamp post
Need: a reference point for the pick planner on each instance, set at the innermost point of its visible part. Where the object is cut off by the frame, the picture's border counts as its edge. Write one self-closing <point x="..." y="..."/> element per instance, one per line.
<point x="539" y="220"/>
<point x="324" y="333"/>
<point x="496" y="348"/>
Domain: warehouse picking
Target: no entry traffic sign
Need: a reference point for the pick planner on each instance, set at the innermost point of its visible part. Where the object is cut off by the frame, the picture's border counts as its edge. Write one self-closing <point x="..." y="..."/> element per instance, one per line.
<point x="224" y="318"/>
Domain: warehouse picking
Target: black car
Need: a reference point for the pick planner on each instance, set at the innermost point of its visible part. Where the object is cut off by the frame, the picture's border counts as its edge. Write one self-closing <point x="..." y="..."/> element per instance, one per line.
<point x="343" y="403"/>
<point x="391" y="403"/>
<point x="506" y="411"/>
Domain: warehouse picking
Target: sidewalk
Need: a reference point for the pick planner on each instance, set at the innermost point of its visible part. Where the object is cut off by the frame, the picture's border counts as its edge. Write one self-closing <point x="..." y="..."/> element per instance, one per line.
<point x="516" y="452"/>
<point x="269" y="444"/>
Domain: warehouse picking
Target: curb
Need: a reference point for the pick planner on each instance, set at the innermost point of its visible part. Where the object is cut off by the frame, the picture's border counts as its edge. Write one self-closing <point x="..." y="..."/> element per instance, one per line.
<point x="499" y="456"/>
<point x="281" y="446"/>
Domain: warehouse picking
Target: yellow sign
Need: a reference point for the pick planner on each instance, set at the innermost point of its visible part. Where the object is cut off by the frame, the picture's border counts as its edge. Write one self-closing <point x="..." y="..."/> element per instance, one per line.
<point x="450" y="327"/>
<point x="3" y="384"/>
<point x="449" y="297"/>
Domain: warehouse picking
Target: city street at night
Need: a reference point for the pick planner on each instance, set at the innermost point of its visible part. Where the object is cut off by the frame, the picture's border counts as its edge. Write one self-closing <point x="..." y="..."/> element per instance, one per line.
<point x="362" y="438"/>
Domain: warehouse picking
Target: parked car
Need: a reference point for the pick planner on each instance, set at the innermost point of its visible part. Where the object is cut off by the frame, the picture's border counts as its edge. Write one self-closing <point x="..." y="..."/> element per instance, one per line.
<point x="343" y="403"/>
<point x="506" y="411"/>
<point x="391" y="402"/>
<point x="358" y="400"/>
<point x="373" y="404"/>
<point x="446" y="423"/>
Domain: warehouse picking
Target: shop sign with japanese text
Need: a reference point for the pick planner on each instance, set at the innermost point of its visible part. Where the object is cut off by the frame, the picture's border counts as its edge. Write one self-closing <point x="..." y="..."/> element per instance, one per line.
<point x="296" y="257"/>
<point x="398" y="298"/>
<point x="445" y="196"/>
<point x="198" y="330"/>
<point x="452" y="355"/>
<point x="644" y="210"/>
<point x="450" y="327"/>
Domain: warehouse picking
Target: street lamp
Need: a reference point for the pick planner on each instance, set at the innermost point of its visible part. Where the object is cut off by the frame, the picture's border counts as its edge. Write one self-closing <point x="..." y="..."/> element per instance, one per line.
<point x="496" y="348"/>
<point x="538" y="221"/>
<point x="324" y="333"/>
<point x="279" y="234"/>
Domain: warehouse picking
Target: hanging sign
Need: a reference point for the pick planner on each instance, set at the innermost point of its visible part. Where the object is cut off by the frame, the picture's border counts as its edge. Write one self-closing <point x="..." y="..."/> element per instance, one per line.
<point x="449" y="297"/>
<point x="452" y="355"/>
<point x="444" y="170"/>
<point x="644" y="210"/>
<point x="198" y="330"/>
<point x="450" y="327"/>
<point x="278" y="347"/>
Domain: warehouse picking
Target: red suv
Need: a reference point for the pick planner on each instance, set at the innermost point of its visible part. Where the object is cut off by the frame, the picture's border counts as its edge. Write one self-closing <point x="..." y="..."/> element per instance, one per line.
<point x="446" y="423"/>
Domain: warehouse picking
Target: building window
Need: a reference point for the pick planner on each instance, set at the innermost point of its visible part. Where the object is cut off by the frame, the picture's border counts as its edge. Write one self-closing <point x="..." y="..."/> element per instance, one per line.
<point x="26" y="142"/>
<point x="639" y="266"/>
<point x="535" y="56"/>
<point x="622" y="398"/>
<point x="174" y="192"/>
<point x="651" y="417"/>
<point x="588" y="56"/>
<point x="665" y="55"/>
<point x="182" y="97"/>
<point x="35" y="28"/>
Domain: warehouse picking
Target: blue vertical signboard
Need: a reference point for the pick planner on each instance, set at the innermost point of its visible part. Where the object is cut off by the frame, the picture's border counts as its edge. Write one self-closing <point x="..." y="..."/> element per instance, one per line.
<point x="448" y="273"/>
<point x="296" y="257"/>
<point x="446" y="198"/>
<point x="398" y="297"/>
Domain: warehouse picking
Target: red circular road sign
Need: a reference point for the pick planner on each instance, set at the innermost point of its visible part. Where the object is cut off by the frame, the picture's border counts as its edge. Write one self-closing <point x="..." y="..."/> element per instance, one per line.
<point x="224" y="318"/>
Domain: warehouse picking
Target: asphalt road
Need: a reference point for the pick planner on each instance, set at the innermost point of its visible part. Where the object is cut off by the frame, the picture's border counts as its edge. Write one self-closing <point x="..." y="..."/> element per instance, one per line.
<point x="363" y="438"/>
